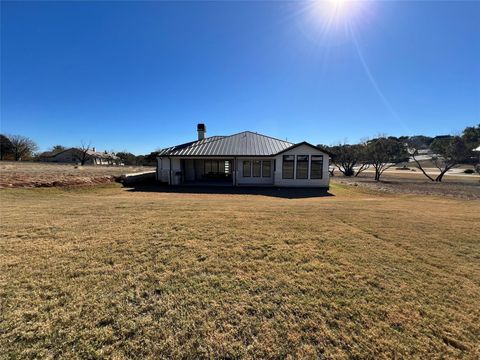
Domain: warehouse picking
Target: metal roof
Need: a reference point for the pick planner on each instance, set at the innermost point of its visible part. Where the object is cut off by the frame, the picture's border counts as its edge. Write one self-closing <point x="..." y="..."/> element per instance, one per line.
<point x="245" y="143"/>
<point x="169" y="150"/>
<point x="89" y="152"/>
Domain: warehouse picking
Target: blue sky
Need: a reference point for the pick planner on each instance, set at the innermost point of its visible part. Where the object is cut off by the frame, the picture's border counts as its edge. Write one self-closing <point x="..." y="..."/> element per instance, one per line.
<point x="140" y="75"/>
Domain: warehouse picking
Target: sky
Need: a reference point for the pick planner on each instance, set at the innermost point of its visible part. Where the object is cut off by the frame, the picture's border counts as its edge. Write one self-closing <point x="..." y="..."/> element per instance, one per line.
<point x="139" y="76"/>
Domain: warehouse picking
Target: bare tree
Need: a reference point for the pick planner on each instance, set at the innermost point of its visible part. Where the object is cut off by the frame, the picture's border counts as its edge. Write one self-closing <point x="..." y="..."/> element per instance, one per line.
<point x="22" y="146"/>
<point x="449" y="153"/>
<point x="84" y="148"/>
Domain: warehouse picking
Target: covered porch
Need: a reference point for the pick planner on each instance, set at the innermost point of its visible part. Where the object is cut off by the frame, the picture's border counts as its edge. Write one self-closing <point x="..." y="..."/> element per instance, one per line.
<point x="215" y="171"/>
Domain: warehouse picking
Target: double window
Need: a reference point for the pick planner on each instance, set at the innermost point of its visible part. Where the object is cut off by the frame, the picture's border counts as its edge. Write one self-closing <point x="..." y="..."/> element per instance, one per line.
<point x="257" y="168"/>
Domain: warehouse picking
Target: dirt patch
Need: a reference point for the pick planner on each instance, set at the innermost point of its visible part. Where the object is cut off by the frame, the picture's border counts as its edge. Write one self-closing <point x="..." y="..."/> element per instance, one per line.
<point x="28" y="175"/>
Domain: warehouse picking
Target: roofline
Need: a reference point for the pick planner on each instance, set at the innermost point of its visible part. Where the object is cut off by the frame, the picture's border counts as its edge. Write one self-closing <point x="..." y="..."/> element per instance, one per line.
<point x="271" y="137"/>
<point x="250" y="156"/>
<point x="61" y="152"/>
<point x="79" y="150"/>
<point x="305" y="143"/>
<point x="167" y="155"/>
<point x="192" y="143"/>
<point x="216" y="156"/>
<point x="220" y="137"/>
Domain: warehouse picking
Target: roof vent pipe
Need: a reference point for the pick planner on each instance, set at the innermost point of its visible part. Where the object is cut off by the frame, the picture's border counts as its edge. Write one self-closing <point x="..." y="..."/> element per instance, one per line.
<point x="201" y="129"/>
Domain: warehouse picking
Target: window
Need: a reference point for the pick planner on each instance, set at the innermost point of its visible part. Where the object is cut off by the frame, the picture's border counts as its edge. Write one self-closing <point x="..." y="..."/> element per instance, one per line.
<point x="316" y="171"/>
<point x="208" y="166"/>
<point x="214" y="166"/>
<point x="257" y="168"/>
<point x="247" y="168"/>
<point x="266" y="168"/>
<point x="211" y="166"/>
<point x="288" y="166"/>
<point x="302" y="166"/>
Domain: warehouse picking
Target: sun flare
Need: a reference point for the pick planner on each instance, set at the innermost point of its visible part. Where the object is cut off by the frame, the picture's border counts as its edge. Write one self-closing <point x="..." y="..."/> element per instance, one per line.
<point x="337" y="12"/>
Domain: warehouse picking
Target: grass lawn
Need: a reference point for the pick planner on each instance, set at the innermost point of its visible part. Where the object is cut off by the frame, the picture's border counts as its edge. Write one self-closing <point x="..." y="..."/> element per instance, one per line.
<point x="95" y="272"/>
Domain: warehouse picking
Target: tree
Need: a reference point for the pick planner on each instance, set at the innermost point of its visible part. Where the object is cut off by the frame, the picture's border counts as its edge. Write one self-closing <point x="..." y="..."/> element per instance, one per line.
<point x="6" y="147"/>
<point x="362" y="162"/>
<point x="83" y="149"/>
<point x="140" y="160"/>
<point x="22" y="146"/>
<point x="418" y="141"/>
<point x="383" y="153"/>
<point x="471" y="136"/>
<point x="127" y="158"/>
<point x="57" y="149"/>
<point x="347" y="157"/>
<point x="150" y="159"/>
<point x="449" y="152"/>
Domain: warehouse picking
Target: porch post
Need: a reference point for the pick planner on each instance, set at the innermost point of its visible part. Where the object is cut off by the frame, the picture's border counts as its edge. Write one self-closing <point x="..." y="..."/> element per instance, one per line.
<point x="234" y="171"/>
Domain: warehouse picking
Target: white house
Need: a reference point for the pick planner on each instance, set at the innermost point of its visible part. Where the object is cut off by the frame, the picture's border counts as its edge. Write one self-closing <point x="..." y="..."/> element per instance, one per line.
<point x="245" y="158"/>
<point x="75" y="156"/>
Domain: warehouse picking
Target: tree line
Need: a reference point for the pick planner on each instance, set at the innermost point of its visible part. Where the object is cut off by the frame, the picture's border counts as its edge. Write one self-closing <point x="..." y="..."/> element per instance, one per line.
<point x="22" y="148"/>
<point x="384" y="152"/>
<point x="380" y="153"/>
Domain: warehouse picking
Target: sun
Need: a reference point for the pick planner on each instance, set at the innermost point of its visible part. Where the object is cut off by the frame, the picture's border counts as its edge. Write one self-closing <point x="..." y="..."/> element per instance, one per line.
<point x="337" y="11"/>
<point x="338" y="5"/>
<point x="333" y="20"/>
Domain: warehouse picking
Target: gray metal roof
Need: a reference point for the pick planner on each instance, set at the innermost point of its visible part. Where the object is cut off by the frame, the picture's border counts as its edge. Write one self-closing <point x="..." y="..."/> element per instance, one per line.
<point x="89" y="152"/>
<point x="169" y="150"/>
<point x="245" y="143"/>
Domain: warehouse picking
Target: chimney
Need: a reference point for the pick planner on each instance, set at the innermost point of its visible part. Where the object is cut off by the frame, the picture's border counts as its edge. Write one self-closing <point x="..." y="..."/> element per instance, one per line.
<point x="93" y="149"/>
<point x="201" y="129"/>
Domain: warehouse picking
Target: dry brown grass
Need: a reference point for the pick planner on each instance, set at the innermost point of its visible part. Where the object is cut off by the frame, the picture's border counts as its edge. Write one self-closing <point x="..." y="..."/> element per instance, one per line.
<point x="38" y="174"/>
<point x="106" y="272"/>
<point x="405" y="182"/>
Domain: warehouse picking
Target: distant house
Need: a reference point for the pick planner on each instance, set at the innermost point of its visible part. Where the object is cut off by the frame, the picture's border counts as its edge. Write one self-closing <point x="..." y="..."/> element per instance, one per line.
<point x="75" y="156"/>
<point x="246" y="158"/>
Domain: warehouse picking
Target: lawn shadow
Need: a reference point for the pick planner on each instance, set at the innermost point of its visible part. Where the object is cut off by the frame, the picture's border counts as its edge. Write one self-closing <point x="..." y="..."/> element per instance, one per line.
<point x="285" y="193"/>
